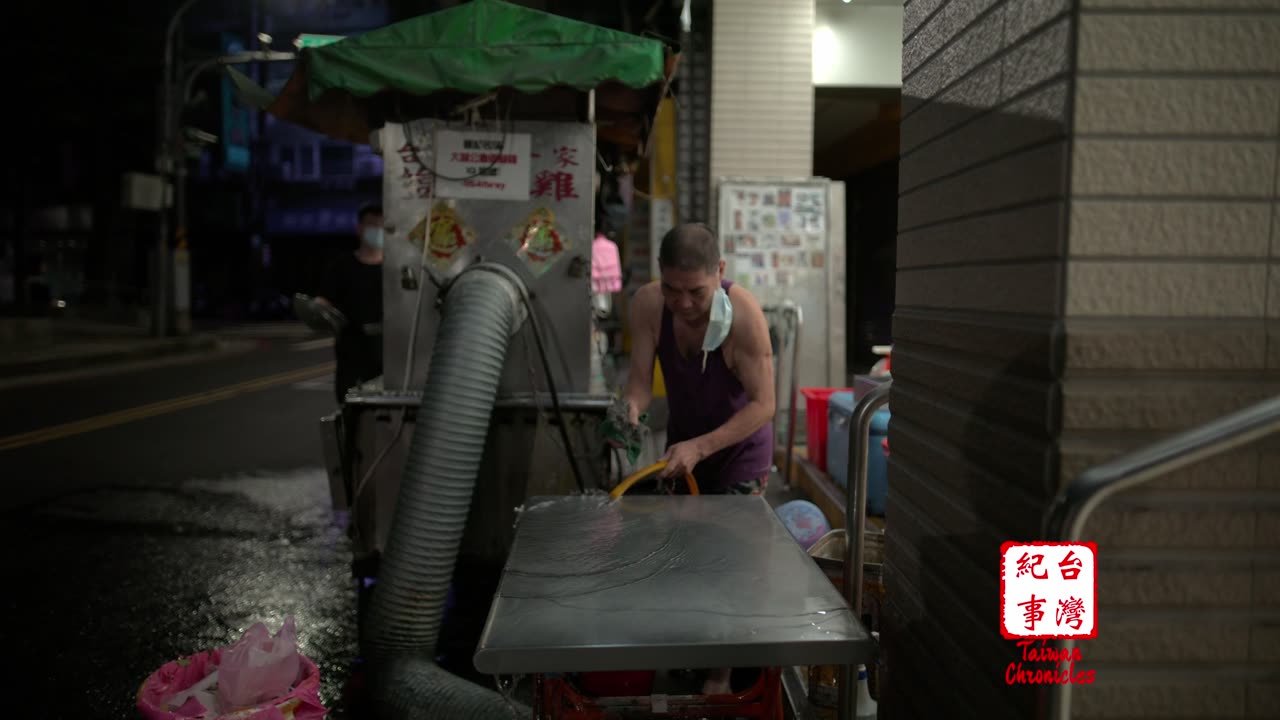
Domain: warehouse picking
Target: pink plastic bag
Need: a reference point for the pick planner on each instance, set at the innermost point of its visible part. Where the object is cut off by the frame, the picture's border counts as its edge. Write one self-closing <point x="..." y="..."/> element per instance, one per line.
<point x="606" y="266"/>
<point x="259" y="667"/>
<point x="298" y="700"/>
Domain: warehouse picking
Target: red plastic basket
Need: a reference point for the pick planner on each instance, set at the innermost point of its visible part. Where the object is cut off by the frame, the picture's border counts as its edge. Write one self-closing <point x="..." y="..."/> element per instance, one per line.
<point x="617" y="684"/>
<point x="815" y="417"/>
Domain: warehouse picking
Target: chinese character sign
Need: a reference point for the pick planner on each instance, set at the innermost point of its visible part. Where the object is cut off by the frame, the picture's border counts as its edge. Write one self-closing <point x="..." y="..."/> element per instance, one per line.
<point x="414" y="178"/>
<point x="483" y="165"/>
<point x="555" y="180"/>
<point x="1048" y="590"/>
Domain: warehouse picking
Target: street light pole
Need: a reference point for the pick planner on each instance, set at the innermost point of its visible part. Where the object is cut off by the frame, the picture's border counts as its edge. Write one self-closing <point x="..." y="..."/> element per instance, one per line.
<point x="164" y="167"/>
<point x="181" y="288"/>
<point x="170" y="164"/>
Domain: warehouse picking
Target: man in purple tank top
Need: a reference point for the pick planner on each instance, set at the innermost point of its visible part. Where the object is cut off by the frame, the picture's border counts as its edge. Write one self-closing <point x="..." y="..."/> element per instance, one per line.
<point x="712" y="341"/>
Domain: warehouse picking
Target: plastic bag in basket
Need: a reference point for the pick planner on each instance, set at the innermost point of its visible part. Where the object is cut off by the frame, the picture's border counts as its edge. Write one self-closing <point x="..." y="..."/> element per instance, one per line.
<point x="259" y="667"/>
<point x="196" y="687"/>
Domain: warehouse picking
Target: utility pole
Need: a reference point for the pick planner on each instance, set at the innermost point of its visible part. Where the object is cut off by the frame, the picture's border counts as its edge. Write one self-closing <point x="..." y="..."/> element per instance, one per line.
<point x="180" y="265"/>
<point x="165" y="168"/>
<point x="170" y="160"/>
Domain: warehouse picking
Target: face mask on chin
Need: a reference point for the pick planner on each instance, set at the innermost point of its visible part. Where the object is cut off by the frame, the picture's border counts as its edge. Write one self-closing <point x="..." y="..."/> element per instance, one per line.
<point x="373" y="237"/>
<point x="719" y="324"/>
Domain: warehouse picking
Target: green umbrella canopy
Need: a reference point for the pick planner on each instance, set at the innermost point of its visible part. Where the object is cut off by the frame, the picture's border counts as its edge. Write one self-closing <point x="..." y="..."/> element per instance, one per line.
<point x="474" y="48"/>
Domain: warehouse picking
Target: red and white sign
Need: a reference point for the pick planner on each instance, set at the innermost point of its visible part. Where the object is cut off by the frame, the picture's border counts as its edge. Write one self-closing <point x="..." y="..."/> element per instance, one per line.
<point x="1048" y="590"/>
<point x="483" y="165"/>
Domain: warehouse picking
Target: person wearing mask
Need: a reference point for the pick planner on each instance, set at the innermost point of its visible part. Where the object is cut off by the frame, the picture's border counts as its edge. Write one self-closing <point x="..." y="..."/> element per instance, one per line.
<point x="712" y="341"/>
<point x="353" y="286"/>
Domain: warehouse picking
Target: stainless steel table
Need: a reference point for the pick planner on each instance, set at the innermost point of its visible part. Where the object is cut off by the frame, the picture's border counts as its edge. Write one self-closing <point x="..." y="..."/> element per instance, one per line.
<point x="661" y="582"/>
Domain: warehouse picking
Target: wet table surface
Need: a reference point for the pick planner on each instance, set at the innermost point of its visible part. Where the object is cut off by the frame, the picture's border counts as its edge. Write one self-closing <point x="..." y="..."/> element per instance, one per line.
<point x="660" y="582"/>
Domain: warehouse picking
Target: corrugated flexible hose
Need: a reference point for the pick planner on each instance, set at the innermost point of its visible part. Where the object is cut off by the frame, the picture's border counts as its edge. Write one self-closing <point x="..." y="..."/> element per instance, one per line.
<point x="479" y="314"/>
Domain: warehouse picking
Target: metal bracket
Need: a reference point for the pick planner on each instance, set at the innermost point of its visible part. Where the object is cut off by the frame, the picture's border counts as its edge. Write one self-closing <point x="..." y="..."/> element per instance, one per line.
<point x="408" y="278"/>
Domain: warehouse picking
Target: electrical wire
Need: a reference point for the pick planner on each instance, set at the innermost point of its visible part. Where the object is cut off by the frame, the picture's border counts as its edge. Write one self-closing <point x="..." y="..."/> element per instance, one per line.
<point x="503" y="124"/>
<point x="542" y="356"/>
<point x="535" y="324"/>
<point x="555" y="397"/>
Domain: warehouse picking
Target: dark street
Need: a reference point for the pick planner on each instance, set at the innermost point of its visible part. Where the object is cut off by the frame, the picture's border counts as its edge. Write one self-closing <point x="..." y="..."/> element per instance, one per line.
<point x="139" y="537"/>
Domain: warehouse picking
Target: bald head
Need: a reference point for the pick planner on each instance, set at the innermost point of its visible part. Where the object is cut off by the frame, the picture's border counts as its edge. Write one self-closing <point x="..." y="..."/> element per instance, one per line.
<point x="690" y="247"/>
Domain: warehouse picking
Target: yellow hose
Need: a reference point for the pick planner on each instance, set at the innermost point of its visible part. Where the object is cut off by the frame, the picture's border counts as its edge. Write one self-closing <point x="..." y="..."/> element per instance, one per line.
<point x="646" y="472"/>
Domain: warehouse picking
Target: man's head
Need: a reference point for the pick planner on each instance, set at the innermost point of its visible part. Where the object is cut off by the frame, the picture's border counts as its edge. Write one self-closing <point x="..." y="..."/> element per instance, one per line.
<point x="691" y="267"/>
<point x="369" y="226"/>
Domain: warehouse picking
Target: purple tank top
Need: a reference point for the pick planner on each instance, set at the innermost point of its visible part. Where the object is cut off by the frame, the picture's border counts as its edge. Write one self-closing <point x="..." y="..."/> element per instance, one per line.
<point x="700" y="402"/>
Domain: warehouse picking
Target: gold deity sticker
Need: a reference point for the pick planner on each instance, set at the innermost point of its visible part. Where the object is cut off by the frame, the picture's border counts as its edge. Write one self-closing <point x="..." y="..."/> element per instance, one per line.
<point x="538" y="241"/>
<point x="446" y="237"/>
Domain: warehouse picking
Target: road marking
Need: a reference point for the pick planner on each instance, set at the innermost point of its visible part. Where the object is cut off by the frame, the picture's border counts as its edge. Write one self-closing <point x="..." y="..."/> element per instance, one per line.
<point x="312" y="344"/>
<point x="224" y="349"/>
<point x="57" y="432"/>
<point x="321" y="383"/>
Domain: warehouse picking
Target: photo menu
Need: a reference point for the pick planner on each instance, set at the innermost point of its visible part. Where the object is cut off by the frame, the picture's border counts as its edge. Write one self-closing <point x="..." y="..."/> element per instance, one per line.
<point x="775" y="236"/>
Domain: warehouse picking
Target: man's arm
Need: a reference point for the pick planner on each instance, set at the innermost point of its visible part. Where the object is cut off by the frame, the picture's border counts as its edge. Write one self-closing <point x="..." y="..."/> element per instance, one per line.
<point x="639" y="390"/>
<point x="753" y="365"/>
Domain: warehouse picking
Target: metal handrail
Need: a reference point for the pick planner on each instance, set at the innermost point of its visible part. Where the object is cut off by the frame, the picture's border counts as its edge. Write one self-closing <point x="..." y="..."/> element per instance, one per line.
<point x="855" y="523"/>
<point x="797" y="313"/>
<point x="1074" y="506"/>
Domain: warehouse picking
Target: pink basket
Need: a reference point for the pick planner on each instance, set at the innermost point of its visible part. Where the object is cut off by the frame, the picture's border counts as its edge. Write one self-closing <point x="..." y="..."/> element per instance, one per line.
<point x="301" y="703"/>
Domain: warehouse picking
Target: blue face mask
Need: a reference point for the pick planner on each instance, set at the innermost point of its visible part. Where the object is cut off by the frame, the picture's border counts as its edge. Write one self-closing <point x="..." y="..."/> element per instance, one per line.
<point x="719" y="324"/>
<point x="373" y="237"/>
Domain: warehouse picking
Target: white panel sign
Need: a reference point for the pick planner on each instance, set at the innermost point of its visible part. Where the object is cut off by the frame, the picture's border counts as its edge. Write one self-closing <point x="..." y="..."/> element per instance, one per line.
<point x="783" y="241"/>
<point x="483" y="165"/>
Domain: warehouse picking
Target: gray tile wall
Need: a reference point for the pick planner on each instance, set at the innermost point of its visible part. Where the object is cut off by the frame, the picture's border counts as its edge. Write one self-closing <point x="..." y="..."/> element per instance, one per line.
<point x="978" y="348"/>
<point x="1170" y="319"/>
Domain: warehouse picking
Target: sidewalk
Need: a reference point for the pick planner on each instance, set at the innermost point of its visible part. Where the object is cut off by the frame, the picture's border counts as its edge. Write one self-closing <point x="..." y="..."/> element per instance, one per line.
<point x="38" y="348"/>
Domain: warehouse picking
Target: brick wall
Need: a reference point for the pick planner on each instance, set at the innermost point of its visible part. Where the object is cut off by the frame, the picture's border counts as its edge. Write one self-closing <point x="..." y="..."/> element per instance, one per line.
<point x="977" y="336"/>
<point x="1170" y="316"/>
<point x="1088" y="233"/>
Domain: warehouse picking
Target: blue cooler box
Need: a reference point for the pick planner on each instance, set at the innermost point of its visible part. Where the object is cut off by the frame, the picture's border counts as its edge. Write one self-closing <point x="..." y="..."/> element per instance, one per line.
<point x="839" y="419"/>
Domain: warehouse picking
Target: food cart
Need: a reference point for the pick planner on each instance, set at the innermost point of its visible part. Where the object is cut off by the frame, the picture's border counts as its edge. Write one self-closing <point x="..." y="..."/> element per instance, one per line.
<point x="478" y="454"/>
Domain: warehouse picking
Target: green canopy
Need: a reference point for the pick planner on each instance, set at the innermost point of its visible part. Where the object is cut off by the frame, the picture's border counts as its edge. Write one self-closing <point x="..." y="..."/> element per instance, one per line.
<point x="481" y="46"/>
<point x="474" y="48"/>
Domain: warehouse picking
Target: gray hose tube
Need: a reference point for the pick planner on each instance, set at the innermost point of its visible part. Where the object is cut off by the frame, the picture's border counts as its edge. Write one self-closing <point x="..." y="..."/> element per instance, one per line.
<point x="479" y="314"/>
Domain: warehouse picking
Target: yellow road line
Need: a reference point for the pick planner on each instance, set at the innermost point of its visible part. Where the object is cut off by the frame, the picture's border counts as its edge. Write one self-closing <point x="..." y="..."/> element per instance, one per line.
<point x="141" y="412"/>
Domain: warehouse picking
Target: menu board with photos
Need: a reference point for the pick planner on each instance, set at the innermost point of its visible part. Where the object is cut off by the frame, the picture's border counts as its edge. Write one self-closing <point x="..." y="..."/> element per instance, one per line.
<point x="774" y="236"/>
<point x="780" y="242"/>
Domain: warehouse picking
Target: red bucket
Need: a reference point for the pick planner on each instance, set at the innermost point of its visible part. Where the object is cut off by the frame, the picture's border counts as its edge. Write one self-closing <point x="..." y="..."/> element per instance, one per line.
<point x="630" y="683"/>
<point x="815" y="416"/>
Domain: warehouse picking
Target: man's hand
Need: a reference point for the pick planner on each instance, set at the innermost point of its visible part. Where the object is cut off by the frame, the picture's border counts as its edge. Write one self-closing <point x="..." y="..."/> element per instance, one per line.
<point x="681" y="459"/>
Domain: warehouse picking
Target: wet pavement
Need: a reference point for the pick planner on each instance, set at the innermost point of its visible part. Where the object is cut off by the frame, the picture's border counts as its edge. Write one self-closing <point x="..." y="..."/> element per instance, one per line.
<point x="131" y="545"/>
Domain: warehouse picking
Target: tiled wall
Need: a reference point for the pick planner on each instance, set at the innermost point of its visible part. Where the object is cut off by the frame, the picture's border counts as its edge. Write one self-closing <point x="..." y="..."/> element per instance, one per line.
<point x="1171" y="310"/>
<point x="762" y="76"/>
<point x="1088" y="233"/>
<point x="977" y="337"/>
